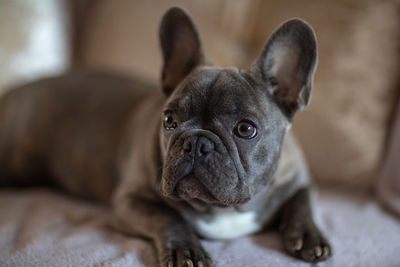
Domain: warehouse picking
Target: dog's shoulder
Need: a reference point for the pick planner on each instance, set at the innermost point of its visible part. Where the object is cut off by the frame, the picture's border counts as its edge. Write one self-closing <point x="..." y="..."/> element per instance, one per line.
<point x="292" y="167"/>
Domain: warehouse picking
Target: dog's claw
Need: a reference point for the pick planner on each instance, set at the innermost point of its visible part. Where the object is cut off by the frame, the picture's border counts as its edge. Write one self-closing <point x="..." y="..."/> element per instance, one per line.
<point x="318" y="251"/>
<point x="170" y="263"/>
<point x="298" y="245"/>
<point x="189" y="263"/>
<point x="308" y="255"/>
<point x="315" y="254"/>
<point x="326" y="253"/>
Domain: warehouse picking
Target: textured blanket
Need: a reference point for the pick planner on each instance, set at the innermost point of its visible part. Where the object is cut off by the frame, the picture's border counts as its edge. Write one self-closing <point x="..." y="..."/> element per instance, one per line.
<point x="44" y="228"/>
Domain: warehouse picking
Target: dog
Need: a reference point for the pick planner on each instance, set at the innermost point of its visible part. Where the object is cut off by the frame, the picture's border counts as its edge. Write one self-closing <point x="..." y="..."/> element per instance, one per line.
<point x="210" y="155"/>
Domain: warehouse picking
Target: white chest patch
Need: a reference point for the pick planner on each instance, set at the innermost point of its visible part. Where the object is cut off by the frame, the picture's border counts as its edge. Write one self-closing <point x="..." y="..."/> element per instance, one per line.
<point x="227" y="224"/>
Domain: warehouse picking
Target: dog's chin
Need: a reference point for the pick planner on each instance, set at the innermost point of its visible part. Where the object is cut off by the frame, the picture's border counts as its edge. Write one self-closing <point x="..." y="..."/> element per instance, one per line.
<point x="202" y="205"/>
<point x="189" y="188"/>
<point x="196" y="194"/>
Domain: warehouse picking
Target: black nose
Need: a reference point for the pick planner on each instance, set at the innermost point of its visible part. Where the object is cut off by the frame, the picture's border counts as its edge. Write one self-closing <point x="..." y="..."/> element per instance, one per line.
<point x="198" y="146"/>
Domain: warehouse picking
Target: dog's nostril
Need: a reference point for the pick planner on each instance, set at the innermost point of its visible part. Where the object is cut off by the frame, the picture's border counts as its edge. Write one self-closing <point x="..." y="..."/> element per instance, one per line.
<point x="204" y="146"/>
<point x="187" y="147"/>
<point x="189" y="144"/>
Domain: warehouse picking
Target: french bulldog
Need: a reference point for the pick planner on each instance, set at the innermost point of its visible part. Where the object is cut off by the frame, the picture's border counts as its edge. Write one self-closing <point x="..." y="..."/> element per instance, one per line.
<point x="210" y="155"/>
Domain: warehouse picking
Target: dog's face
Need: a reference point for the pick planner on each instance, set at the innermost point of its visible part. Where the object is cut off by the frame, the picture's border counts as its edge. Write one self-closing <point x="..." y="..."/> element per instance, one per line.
<point x="222" y="128"/>
<point x="221" y="137"/>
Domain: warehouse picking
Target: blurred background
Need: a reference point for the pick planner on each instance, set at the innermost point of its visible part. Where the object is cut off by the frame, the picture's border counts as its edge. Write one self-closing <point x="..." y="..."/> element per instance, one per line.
<point x="345" y="132"/>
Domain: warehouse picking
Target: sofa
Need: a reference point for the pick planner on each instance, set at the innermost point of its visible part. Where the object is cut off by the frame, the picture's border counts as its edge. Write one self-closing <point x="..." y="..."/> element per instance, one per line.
<point x="350" y="133"/>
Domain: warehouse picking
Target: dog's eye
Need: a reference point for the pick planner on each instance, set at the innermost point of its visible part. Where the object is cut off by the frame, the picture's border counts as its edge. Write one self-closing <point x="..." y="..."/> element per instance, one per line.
<point x="245" y="129"/>
<point x="169" y="123"/>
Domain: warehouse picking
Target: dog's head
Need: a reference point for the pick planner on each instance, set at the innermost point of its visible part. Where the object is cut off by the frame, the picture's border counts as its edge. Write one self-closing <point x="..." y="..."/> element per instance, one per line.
<point x="223" y="128"/>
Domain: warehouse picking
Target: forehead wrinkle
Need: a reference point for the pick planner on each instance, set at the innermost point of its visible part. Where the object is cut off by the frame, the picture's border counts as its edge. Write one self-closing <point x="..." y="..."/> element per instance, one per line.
<point x="200" y="96"/>
<point x="259" y="105"/>
<point x="238" y="89"/>
<point x="193" y="92"/>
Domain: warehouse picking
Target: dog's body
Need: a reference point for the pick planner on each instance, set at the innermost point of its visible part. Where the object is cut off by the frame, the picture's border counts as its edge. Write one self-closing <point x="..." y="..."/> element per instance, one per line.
<point x="94" y="110"/>
<point x="210" y="156"/>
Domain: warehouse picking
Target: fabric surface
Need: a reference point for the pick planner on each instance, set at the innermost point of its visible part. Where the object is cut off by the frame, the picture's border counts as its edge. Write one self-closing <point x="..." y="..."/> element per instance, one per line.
<point x="388" y="184"/>
<point x="44" y="228"/>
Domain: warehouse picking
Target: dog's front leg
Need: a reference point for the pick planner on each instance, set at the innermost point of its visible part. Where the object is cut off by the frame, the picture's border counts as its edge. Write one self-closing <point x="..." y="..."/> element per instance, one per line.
<point x="301" y="237"/>
<point x="175" y="241"/>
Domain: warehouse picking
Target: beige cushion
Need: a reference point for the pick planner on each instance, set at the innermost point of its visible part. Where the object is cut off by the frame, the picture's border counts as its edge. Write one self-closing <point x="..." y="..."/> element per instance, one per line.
<point x="123" y="35"/>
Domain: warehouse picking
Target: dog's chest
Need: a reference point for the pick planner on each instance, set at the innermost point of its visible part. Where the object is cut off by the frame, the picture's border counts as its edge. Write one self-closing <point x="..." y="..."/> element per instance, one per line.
<point x="227" y="224"/>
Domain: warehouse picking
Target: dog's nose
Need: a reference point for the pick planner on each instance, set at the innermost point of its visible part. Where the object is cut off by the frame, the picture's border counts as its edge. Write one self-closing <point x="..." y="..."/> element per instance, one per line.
<point x="198" y="146"/>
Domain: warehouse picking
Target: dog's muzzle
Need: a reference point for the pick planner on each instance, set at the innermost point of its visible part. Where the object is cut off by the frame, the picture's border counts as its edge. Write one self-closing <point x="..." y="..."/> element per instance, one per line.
<point x="199" y="167"/>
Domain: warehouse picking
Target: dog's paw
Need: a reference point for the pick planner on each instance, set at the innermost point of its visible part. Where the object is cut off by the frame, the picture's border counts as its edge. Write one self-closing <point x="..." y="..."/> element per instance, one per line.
<point x="186" y="256"/>
<point x="305" y="241"/>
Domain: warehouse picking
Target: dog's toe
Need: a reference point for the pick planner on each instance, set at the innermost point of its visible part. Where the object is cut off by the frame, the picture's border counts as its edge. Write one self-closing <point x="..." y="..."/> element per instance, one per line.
<point x="186" y="257"/>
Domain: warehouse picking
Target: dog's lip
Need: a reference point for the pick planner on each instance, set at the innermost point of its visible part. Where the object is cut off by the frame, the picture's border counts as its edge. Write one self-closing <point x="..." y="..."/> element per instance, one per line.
<point x="206" y="197"/>
<point x="199" y="202"/>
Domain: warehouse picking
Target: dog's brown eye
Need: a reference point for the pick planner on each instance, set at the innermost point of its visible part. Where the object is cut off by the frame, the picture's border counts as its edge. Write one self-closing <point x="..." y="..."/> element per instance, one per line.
<point x="245" y="129"/>
<point x="169" y="123"/>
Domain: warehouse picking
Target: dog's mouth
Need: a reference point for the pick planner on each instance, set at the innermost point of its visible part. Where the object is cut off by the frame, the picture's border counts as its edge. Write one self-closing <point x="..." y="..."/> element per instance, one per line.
<point x="189" y="188"/>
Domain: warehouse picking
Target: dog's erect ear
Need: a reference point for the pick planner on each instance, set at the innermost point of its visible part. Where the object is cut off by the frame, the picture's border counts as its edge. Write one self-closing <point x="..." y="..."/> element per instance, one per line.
<point x="181" y="47"/>
<point x="287" y="65"/>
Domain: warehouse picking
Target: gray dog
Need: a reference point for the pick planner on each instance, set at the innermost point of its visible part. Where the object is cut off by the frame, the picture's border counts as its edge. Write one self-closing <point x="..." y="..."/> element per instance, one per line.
<point x="209" y="156"/>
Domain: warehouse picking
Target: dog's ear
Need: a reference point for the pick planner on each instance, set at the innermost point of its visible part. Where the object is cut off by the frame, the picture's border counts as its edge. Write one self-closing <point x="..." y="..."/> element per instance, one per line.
<point x="181" y="47"/>
<point x="287" y="64"/>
